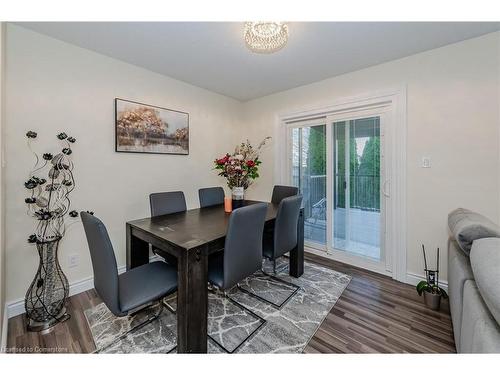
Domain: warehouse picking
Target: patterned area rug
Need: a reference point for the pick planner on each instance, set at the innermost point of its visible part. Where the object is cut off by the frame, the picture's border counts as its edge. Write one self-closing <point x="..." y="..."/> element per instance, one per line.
<point x="288" y="330"/>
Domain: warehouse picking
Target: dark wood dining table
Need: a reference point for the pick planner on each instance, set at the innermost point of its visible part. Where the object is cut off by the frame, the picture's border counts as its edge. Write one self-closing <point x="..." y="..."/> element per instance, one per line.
<point x="191" y="236"/>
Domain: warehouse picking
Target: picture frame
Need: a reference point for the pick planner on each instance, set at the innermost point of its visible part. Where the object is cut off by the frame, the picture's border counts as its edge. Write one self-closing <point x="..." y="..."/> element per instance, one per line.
<point x="149" y="129"/>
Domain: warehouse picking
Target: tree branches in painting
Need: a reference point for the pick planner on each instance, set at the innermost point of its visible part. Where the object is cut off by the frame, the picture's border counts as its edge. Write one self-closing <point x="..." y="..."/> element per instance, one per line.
<point x="148" y="129"/>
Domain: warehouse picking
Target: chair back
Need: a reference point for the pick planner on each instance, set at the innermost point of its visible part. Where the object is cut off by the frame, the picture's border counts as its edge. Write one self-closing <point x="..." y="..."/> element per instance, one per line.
<point x="280" y="192"/>
<point x="211" y="196"/>
<point x="103" y="261"/>
<point x="243" y="247"/>
<point x="167" y="203"/>
<point x="285" y="226"/>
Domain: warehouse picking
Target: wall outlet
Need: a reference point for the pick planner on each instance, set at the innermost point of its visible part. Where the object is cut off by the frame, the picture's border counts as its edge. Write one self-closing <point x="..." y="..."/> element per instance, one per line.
<point x="73" y="260"/>
<point x="426" y="162"/>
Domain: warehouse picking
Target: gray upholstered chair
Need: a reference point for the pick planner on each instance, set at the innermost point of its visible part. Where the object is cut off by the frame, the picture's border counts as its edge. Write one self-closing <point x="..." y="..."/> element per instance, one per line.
<point x="281" y="241"/>
<point x="129" y="292"/>
<point x="165" y="203"/>
<point x="280" y="192"/>
<point x="211" y="196"/>
<point x="242" y="255"/>
<point x="284" y="237"/>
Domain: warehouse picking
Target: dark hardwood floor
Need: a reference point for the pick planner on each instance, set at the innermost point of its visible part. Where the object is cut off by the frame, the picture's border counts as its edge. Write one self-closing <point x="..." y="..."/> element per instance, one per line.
<point x="375" y="314"/>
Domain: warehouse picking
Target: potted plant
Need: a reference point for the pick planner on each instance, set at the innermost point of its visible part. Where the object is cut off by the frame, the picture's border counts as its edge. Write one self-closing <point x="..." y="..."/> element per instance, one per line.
<point x="240" y="168"/>
<point x="430" y="286"/>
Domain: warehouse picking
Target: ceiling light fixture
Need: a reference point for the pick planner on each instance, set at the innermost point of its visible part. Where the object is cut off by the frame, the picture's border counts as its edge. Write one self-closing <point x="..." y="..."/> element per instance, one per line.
<point x="265" y="37"/>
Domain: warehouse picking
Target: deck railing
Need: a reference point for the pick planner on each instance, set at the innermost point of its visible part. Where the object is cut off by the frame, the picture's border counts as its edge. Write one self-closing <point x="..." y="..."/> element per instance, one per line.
<point x="364" y="193"/>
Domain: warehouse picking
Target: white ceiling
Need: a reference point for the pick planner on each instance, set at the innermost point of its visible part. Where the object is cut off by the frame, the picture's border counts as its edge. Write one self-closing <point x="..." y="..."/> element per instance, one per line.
<point x="213" y="55"/>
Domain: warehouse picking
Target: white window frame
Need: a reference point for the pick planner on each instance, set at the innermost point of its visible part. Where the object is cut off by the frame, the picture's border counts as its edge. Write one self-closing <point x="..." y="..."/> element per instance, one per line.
<point x="392" y="103"/>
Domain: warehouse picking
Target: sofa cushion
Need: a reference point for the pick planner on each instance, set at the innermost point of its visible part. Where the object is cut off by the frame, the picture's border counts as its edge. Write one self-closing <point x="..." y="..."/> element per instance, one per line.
<point x="486" y="338"/>
<point x="485" y="261"/>
<point x="476" y="320"/>
<point x="459" y="270"/>
<point x="467" y="226"/>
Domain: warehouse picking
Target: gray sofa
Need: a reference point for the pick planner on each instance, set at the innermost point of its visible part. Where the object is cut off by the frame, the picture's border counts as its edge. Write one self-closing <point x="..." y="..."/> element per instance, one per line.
<point x="474" y="282"/>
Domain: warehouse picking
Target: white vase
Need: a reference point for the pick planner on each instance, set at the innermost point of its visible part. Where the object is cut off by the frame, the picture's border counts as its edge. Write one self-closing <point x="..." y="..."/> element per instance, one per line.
<point x="238" y="193"/>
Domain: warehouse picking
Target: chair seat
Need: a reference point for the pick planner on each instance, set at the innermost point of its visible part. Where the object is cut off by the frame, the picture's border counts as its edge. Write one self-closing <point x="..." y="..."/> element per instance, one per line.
<point x="216" y="269"/>
<point x="146" y="283"/>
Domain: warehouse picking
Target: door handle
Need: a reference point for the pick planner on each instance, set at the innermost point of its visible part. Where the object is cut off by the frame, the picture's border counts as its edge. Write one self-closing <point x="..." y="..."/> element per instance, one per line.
<point x="384" y="189"/>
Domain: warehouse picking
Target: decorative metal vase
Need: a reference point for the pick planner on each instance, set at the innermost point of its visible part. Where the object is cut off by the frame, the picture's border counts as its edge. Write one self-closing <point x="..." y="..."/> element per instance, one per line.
<point x="432" y="300"/>
<point x="46" y="297"/>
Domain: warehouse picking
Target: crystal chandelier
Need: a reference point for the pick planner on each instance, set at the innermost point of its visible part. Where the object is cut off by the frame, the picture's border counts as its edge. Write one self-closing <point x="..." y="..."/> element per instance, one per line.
<point x="266" y="37"/>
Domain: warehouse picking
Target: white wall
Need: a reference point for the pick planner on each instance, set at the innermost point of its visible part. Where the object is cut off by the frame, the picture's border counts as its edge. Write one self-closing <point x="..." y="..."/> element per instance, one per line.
<point x="3" y="330"/>
<point x="452" y="116"/>
<point x="53" y="86"/>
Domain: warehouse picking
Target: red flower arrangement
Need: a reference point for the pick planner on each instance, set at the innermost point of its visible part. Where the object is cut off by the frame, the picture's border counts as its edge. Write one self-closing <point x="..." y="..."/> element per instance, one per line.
<point x="242" y="167"/>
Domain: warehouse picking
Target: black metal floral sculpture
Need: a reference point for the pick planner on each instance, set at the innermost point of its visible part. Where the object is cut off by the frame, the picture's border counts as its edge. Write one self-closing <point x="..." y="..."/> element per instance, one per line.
<point x="48" y="202"/>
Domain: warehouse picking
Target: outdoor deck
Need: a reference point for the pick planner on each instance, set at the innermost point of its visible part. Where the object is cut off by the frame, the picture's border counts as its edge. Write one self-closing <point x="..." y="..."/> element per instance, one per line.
<point x="364" y="232"/>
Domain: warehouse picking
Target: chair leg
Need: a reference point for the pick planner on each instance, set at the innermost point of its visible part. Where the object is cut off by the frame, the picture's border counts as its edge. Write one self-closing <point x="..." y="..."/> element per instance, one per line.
<point x="169" y="307"/>
<point x="174" y="311"/>
<point x="274" y="263"/>
<point x="253" y="333"/>
<point x="273" y="277"/>
<point x="281" y="280"/>
<point x="150" y="319"/>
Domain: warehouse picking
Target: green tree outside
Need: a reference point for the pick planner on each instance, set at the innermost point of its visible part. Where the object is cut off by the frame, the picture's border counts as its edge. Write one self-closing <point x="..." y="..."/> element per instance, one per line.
<point x="364" y="170"/>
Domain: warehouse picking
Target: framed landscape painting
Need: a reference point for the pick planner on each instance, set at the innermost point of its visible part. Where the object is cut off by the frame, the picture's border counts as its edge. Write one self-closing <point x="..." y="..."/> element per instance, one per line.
<point x="145" y="128"/>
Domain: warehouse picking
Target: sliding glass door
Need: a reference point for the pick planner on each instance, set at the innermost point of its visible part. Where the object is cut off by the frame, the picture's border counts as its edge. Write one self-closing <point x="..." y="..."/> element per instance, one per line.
<point x="356" y="187"/>
<point x="337" y="163"/>
<point x="308" y="173"/>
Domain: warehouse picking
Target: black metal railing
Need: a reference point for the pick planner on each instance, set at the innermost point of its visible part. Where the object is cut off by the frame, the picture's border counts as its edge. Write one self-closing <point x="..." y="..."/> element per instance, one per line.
<point x="364" y="193"/>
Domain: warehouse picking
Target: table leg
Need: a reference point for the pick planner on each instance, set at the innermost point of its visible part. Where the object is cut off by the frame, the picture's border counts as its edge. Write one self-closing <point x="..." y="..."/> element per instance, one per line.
<point x="137" y="250"/>
<point x="297" y="254"/>
<point x="192" y="301"/>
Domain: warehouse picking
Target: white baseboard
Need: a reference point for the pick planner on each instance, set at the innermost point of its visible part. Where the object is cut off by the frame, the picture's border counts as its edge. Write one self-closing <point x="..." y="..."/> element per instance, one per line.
<point x="411" y="278"/>
<point x="414" y="279"/>
<point x="14" y="308"/>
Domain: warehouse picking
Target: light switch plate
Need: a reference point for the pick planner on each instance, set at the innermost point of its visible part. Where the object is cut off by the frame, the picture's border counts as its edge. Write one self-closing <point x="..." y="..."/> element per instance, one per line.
<point x="73" y="260"/>
<point x="426" y="162"/>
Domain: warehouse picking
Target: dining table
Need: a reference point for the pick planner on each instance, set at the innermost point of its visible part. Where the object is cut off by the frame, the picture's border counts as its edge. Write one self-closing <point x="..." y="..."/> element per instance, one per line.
<point x="190" y="237"/>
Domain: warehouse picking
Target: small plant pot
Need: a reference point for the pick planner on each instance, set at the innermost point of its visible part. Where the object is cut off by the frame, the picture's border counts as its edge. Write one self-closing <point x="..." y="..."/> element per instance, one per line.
<point x="432" y="300"/>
